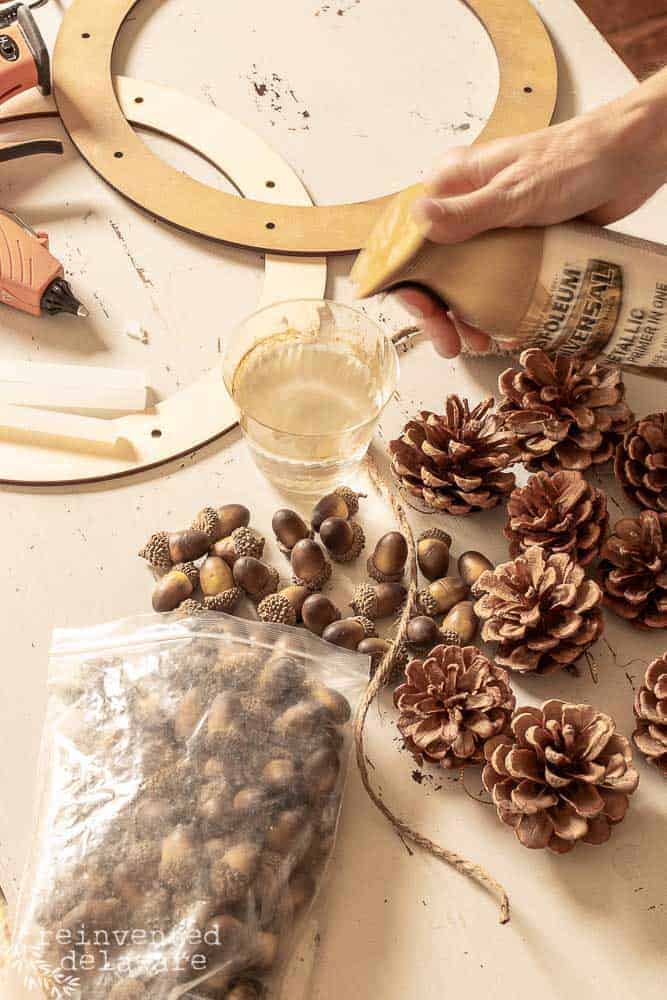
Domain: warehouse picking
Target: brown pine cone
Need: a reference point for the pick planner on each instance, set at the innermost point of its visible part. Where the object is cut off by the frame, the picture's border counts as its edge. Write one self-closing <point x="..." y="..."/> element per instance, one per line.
<point x="650" y="736"/>
<point x="563" y="775"/>
<point x="641" y="462"/>
<point x="634" y="569"/>
<point x="540" y="609"/>
<point x="452" y="702"/>
<point x="455" y="461"/>
<point x="567" y="413"/>
<point x="561" y="512"/>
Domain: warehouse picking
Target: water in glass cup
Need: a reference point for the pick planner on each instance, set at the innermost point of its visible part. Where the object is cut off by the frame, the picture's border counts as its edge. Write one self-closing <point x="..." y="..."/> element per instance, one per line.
<point x="310" y="380"/>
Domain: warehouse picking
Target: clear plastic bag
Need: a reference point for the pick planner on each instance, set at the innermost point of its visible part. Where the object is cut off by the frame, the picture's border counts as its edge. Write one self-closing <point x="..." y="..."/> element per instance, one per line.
<point x="192" y="773"/>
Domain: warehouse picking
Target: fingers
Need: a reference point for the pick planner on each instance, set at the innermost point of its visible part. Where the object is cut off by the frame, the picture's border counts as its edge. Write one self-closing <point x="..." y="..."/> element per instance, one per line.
<point x="458" y="218"/>
<point x="445" y="330"/>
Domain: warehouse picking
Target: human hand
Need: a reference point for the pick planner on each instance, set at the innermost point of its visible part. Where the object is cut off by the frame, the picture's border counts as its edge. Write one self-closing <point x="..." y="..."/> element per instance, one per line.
<point x="600" y="166"/>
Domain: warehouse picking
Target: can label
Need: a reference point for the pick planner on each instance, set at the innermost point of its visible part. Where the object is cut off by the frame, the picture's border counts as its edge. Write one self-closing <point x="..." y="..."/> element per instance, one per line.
<point x="612" y="302"/>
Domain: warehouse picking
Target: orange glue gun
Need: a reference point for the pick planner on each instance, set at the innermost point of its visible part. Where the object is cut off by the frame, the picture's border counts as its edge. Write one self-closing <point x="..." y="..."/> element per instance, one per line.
<point x="31" y="278"/>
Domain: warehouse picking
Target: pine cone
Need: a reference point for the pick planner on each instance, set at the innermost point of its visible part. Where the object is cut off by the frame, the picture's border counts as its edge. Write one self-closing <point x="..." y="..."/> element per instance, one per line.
<point x="566" y="412"/>
<point x="540" y="609"/>
<point x="650" y="736"/>
<point x="564" y="775"/>
<point x="641" y="462"/>
<point x="456" y="461"/>
<point x="560" y="513"/>
<point x="451" y="703"/>
<point x="634" y="569"/>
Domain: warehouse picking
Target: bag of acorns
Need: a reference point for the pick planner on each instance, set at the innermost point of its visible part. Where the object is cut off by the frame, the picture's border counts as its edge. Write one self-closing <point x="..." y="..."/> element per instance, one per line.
<point x="192" y="773"/>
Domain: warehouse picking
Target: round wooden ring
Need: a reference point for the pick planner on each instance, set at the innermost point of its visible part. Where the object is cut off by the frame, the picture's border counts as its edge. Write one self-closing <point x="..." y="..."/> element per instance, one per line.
<point x="151" y="439"/>
<point x="89" y="108"/>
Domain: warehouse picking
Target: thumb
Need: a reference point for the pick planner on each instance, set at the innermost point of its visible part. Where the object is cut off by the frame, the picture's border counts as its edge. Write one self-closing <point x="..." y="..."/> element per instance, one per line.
<point x="454" y="219"/>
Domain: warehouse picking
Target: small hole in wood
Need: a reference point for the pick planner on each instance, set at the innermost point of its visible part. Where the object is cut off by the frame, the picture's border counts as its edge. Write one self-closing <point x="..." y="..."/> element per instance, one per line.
<point x="270" y="184"/>
<point x="156" y="433"/>
<point x="270" y="225"/>
<point x="86" y="34"/>
<point x="138" y="100"/>
<point x="119" y="155"/>
<point x="527" y="90"/>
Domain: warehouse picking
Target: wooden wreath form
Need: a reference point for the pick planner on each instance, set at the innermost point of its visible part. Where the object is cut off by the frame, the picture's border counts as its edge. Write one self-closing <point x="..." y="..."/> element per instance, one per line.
<point x="151" y="439"/>
<point x="89" y="108"/>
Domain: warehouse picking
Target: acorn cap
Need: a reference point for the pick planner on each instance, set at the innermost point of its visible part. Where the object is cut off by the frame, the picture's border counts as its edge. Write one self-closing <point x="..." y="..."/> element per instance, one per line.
<point x="191" y="607"/>
<point x="426" y="602"/>
<point x="224" y="602"/>
<point x="156" y="551"/>
<point x="190" y="570"/>
<point x="276" y="608"/>
<point x="367" y="625"/>
<point x="207" y="520"/>
<point x="350" y="497"/>
<point x="248" y="542"/>
<point x="357" y="544"/>
<point x="442" y="536"/>
<point x="364" y="601"/>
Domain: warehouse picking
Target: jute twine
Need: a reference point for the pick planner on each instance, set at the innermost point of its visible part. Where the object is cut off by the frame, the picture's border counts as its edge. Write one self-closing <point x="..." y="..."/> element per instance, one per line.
<point x="378" y="681"/>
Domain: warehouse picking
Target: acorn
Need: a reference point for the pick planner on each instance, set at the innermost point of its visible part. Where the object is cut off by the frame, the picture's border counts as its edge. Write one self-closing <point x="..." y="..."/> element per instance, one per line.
<point x="188" y="714"/>
<point x="172" y="589"/>
<point x="265" y="950"/>
<point x="224" y="602"/>
<point x="223" y="713"/>
<point x="387" y="563"/>
<point x="215" y="576"/>
<point x="241" y="542"/>
<point x="285" y="830"/>
<point x="280" y="678"/>
<point x="302" y="719"/>
<point x="343" y="502"/>
<point x="318" y="613"/>
<point x="423" y="632"/>
<point x="335" y="705"/>
<point x="249" y="800"/>
<point x="256" y="578"/>
<point x="285" y="606"/>
<point x="279" y="774"/>
<point x="463" y="621"/>
<point x="378" y="602"/>
<point x="179" y="858"/>
<point x="152" y="816"/>
<point x="471" y="565"/>
<point x="342" y="539"/>
<point x="220" y="523"/>
<point x="289" y="528"/>
<point x="301" y="889"/>
<point x="215" y="805"/>
<point x="164" y="549"/>
<point x="231" y="934"/>
<point x="433" y="553"/>
<point x="349" y="632"/>
<point x="245" y="989"/>
<point x="128" y="989"/>
<point x="310" y="566"/>
<point x="377" y="649"/>
<point x="320" y="771"/>
<point x="441" y="595"/>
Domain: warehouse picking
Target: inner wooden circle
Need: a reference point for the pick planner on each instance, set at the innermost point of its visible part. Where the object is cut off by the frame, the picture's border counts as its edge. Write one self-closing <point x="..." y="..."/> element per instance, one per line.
<point x="91" y="114"/>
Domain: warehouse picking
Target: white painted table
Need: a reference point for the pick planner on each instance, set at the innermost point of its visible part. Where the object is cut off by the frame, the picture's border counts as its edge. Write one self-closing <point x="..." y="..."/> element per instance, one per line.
<point x="385" y="88"/>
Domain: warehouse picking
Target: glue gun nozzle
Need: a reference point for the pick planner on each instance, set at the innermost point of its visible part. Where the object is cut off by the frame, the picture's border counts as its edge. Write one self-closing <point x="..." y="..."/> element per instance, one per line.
<point x="59" y="298"/>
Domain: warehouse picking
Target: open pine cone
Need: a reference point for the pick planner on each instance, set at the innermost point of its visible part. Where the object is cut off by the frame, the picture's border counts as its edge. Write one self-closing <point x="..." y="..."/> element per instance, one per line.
<point x="563" y="776"/>
<point x="566" y="412"/>
<point x="634" y="569"/>
<point x="650" y="736"/>
<point x="561" y="512"/>
<point x="450" y="703"/>
<point x="455" y="461"/>
<point x="641" y="462"/>
<point x="540" y="609"/>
